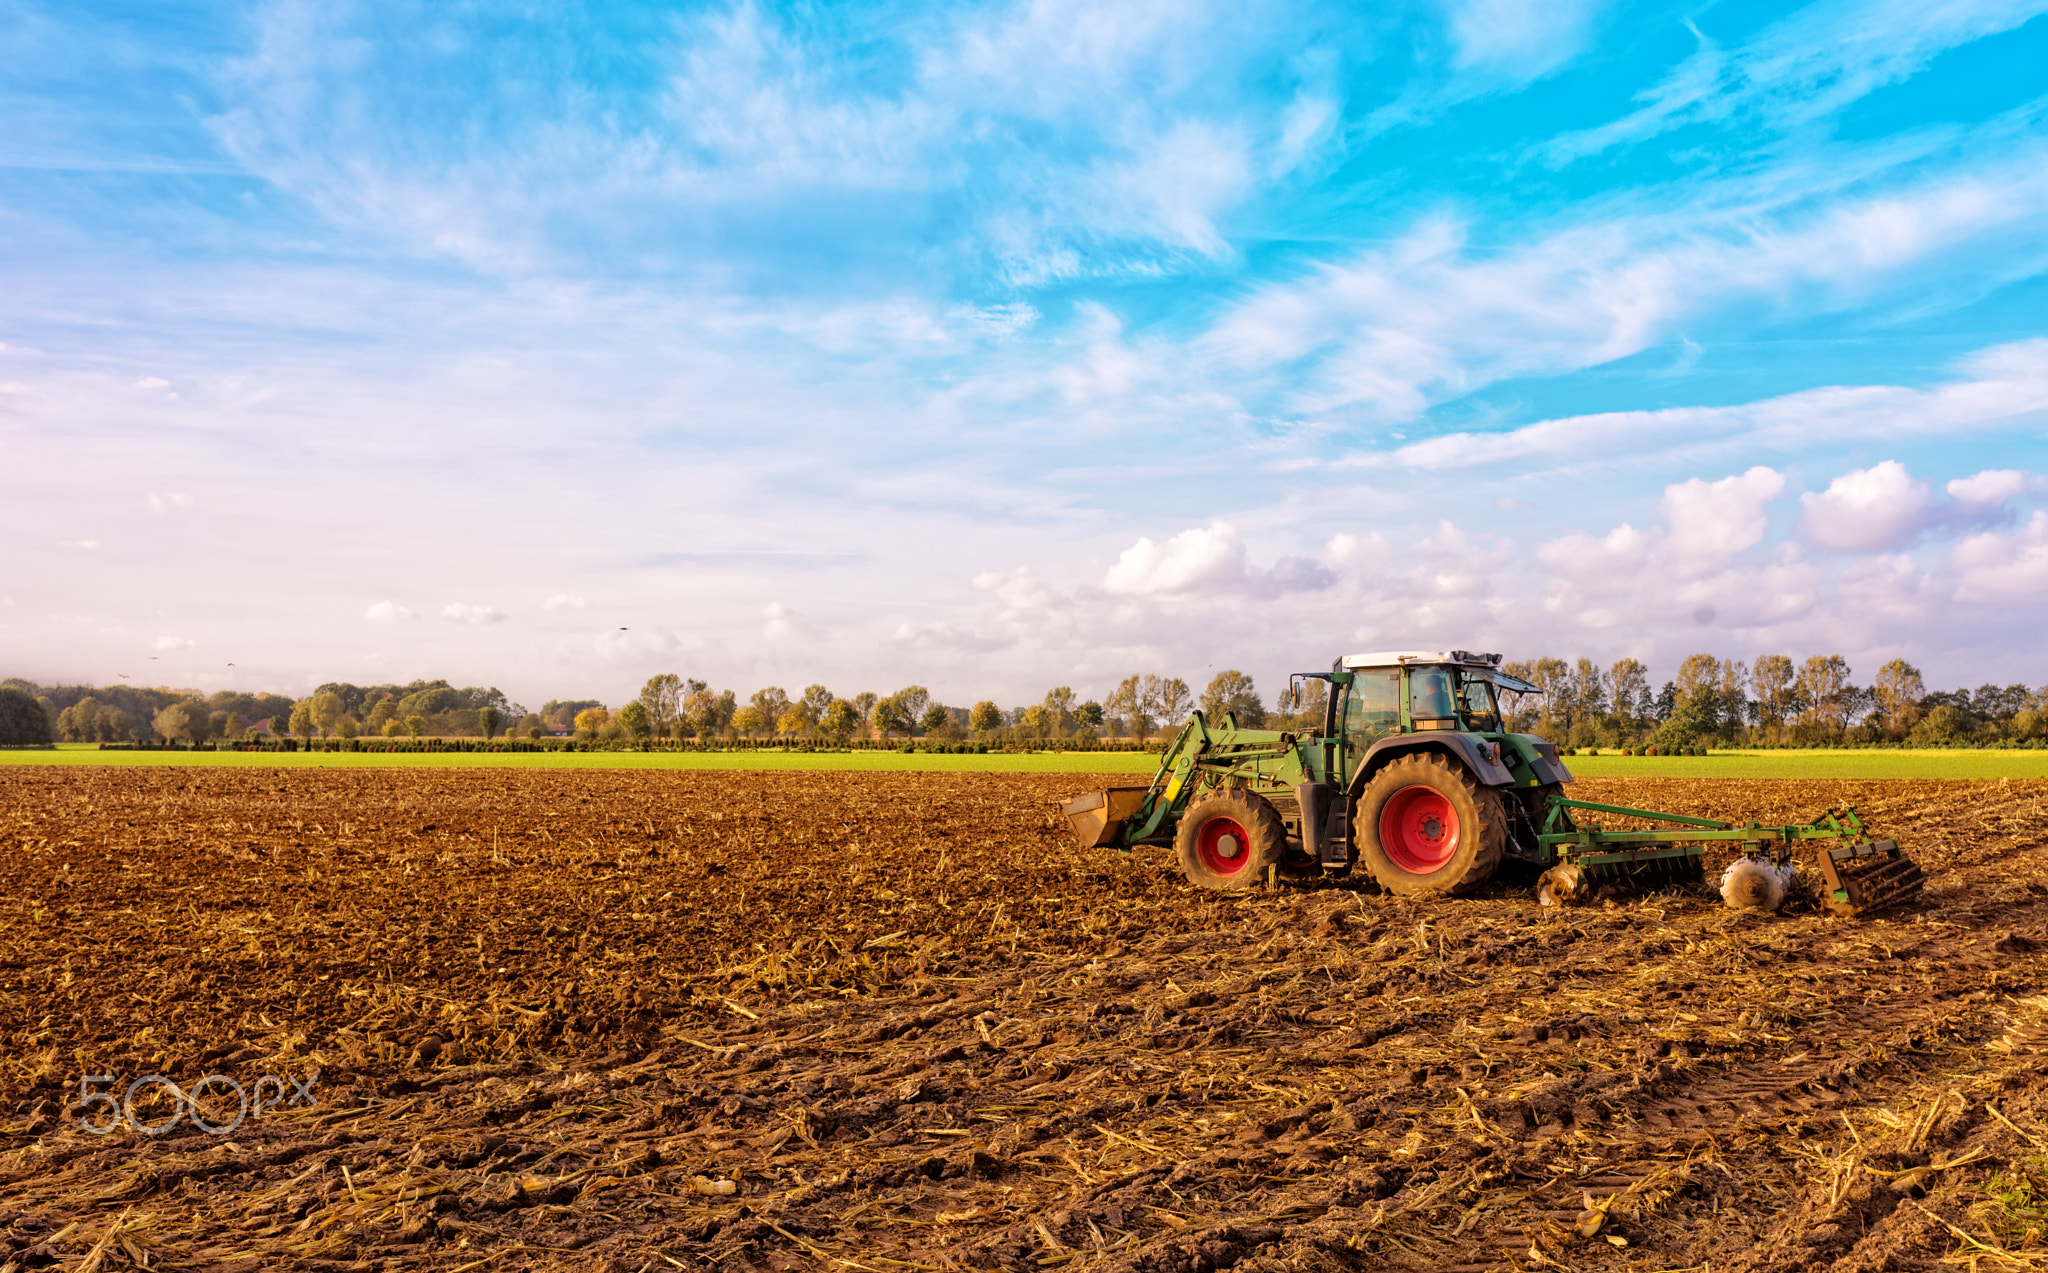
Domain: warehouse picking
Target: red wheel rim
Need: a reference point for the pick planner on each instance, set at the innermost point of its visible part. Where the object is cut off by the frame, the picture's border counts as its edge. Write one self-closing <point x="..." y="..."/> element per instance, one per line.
<point x="1223" y="846"/>
<point x="1419" y="830"/>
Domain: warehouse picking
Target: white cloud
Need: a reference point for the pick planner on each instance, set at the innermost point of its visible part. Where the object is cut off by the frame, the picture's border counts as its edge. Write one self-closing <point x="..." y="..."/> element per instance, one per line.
<point x="388" y="612"/>
<point x="174" y="643"/>
<point x="1993" y="489"/>
<point x="1517" y="40"/>
<point x="174" y="502"/>
<point x="463" y="612"/>
<point x="1714" y="519"/>
<point x="152" y="382"/>
<point x="1209" y="561"/>
<point x="2004" y="388"/>
<point x="1801" y="69"/>
<point x="785" y="624"/>
<point x="1871" y="510"/>
<point x="81" y="545"/>
<point x="1994" y="568"/>
<point x="565" y="601"/>
<point x="1392" y="330"/>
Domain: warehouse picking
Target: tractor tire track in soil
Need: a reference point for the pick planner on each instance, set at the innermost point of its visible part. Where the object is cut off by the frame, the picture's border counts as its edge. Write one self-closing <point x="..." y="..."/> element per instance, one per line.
<point x="756" y="1021"/>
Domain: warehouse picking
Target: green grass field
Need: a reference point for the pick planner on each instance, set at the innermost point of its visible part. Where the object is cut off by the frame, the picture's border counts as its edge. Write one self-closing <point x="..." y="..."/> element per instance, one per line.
<point x="1731" y="764"/>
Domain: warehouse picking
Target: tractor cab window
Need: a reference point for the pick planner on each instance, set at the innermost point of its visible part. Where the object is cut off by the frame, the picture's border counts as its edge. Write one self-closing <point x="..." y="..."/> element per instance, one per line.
<point x="1481" y="712"/>
<point x="1372" y="707"/>
<point x="1431" y="697"/>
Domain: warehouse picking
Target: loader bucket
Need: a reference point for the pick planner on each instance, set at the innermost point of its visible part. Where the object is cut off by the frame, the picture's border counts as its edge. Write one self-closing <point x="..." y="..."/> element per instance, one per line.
<point x="1098" y="818"/>
<point x="1868" y="877"/>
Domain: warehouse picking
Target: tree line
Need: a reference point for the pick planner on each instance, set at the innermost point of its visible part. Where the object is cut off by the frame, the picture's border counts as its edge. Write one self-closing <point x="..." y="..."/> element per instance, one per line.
<point x="1770" y="699"/>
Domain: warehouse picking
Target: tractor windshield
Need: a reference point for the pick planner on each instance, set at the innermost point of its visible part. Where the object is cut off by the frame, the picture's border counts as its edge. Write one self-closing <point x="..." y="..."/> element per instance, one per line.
<point x="1482" y="713"/>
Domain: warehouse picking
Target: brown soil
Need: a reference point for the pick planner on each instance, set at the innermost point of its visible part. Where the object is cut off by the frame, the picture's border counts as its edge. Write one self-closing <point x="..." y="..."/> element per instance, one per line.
<point x="919" y="1030"/>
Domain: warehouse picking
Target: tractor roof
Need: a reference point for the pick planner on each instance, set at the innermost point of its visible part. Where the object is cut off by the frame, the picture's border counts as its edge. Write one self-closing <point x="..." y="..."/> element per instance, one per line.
<point x="1395" y="658"/>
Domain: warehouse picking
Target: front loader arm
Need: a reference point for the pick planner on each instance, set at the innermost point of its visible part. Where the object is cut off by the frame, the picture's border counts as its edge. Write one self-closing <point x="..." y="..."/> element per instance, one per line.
<point x="1168" y="794"/>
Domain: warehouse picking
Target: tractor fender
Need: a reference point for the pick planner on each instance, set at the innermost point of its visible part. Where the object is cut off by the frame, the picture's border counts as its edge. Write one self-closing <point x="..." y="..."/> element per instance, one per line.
<point x="1460" y="747"/>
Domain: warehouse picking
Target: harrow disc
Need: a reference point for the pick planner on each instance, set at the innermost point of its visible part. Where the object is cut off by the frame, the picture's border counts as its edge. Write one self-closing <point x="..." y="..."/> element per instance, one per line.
<point x="1869" y="877"/>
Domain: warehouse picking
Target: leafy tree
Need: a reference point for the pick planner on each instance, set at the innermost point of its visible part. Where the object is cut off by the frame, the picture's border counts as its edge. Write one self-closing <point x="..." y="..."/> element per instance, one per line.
<point x="987" y="716"/>
<point x="1088" y="715"/>
<point x="747" y="721"/>
<point x="911" y="701"/>
<point x="769" y="705"/>
<point x="591" y="720"/>
<point x="1772" y="678"/>
<point x="302" y="718"/>
<point x="487" y="719"/>
<point x="1129" y="704"/>
<point x="1232" y="691"/>
<point x="185" y="721"/>
<point x="1628" y="692"/>
<point x="794" y="720"/>
<point x="415" y="726"/>
<point x="392" y="728"/>
<point x="936" y="719"/>
<point x="661" y="702"/>
<point x="347" y="727"/>
<point x="864" y="703"/>
<point x="890" y="717"/>
<point x="841" y="719"/>
<point x="327" y="709"/>
<point x="382" y="712"/>
<point x="817" y="700"/>
<point x="1059" y="709"/>
<point x="1898" y="690"/>
<point x="636" y="720"/>
<point x="1034" y="721"/>
<point x="23" y="723"/>
<point x="1824" y="692"/>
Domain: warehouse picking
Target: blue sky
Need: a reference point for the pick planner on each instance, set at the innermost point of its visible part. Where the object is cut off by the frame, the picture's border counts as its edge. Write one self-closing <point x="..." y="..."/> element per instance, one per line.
<point x="999" y="346"/>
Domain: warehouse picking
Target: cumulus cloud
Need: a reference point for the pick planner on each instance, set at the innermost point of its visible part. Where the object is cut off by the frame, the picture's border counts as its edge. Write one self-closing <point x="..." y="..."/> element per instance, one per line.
<point x="388" y="612"/>
<point x="785" y="624"/>
<point x="1714" y="519"/>
<point x="463" y="612"/>
<point x="565" y="601"/>
<point x="1871" y="510"/>
<point x="174" y="643"/>
<point x="1208" y="561"/>
<point x="1996" y="568"/>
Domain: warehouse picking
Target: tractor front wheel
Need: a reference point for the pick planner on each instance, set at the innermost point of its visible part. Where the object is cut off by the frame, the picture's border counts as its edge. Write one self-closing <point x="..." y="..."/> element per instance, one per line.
<point x="1425" y="825"/>
<point x="1227" y="839"/>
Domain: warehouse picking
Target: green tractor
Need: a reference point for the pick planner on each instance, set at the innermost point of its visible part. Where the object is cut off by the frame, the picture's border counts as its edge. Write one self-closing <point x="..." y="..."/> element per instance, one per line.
<point x="1414" y="778"/>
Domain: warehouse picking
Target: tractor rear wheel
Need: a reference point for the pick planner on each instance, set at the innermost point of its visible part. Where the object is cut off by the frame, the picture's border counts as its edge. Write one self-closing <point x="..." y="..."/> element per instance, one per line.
<point x="1425" y="825"/>
<point x="1228" y="838"/>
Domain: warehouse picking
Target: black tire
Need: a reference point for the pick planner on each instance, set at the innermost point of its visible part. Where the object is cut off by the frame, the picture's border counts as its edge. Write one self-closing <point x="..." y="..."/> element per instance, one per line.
<point x="1227" y="839"/>
<point x="1425" y="825"/>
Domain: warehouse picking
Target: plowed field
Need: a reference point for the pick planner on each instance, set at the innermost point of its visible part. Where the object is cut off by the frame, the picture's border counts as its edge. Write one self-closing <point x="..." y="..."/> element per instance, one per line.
<point x="519" y="1020"/>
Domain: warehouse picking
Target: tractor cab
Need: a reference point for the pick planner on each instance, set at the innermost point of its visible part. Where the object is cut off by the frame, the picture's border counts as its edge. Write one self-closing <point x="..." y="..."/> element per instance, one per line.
<point x="1386" y="704"/>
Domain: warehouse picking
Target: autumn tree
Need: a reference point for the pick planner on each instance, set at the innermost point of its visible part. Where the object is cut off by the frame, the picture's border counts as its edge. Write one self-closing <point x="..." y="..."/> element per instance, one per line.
<point x="1232" y="691"/>
<point x="1059" y="708"/>
<point x="911" y="701"/>
<point x="1823" y="691"/>
<point x="1089" y="715"/>
<point x="1628" y="692"/>
<point x="661" y="701"/>
<point x="636" y="720"/>
<point x="415" y="726"/>
<point x="1129" y="704"/>
<point x="327" y="709"/>
<point x="841" y="719"/>
<point x="1771" y="680"/>
<point x="1898" y="690"/>
<point x="986" y="716"/>
<point x="1169" y="699"/>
